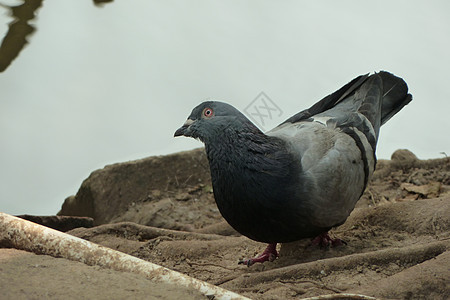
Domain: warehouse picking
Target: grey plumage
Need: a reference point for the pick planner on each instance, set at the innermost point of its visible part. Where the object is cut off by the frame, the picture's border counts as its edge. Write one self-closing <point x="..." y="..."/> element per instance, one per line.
<point x="304" y="176"/>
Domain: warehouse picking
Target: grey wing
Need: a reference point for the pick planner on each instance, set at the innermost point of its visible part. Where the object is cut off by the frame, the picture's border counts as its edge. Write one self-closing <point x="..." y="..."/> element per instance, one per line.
<point x="361" y="114"/>
<point x="333" y="172"/>
<point x="335" y="141"/>
<point x="336" y="148"/>
<point x="357" y="116"/>
<point x="364" y="104"/>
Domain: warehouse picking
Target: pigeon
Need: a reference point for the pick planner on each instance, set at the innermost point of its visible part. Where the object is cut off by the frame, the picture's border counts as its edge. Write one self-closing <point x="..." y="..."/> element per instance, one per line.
<point x="304" y="176"/>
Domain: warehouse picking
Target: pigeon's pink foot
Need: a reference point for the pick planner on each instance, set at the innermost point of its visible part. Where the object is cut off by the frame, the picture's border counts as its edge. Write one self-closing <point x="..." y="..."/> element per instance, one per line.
<point x="324" y="240"/>
<point x="270" y="254"/>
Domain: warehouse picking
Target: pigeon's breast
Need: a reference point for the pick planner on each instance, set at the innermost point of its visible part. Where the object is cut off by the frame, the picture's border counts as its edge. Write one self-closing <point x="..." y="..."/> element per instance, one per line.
<point x="259" y="194"/>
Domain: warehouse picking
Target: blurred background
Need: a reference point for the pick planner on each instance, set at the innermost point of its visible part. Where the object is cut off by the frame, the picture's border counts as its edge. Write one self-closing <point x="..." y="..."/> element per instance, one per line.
<point x="86" y="84"/>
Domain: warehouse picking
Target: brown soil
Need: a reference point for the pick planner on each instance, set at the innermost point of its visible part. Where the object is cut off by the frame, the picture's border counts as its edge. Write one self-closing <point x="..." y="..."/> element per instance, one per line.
<point x="397" y="242"/>
<point x="25" y="275"/>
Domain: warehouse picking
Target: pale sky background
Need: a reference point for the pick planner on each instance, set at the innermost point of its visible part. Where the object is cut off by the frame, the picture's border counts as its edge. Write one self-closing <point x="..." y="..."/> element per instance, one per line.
<point x="100" y="85"/>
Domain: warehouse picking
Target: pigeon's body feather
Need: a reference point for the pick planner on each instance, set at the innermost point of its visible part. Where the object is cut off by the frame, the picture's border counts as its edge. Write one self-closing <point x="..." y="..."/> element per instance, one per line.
<point x="304" y="176"/>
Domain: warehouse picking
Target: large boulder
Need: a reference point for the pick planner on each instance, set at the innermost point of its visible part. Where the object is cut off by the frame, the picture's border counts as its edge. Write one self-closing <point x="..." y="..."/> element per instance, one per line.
<point x="109" y="193"/>
<point x="403" y="155"/>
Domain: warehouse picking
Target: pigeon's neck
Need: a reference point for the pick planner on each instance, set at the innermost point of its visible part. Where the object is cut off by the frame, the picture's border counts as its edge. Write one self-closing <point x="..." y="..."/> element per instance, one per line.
<point x="245" y="155"/>
<point x="238" y="146"/>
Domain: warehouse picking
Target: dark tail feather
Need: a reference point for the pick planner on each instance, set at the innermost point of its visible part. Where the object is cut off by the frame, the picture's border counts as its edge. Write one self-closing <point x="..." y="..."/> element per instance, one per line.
<point x="395" y="95"/>
<point x="371" y="94"/>
<point x="329" y="101"/>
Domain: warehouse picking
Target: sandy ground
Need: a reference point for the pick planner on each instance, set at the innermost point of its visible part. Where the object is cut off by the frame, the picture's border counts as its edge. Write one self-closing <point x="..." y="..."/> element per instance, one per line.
<point x="397" y="238"/>
<point x="25" y="275"/>
<point x="393" y="251"/>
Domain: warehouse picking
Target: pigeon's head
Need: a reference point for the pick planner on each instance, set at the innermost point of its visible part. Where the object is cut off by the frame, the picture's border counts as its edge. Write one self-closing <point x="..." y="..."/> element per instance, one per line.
<point x="211" y="118"/>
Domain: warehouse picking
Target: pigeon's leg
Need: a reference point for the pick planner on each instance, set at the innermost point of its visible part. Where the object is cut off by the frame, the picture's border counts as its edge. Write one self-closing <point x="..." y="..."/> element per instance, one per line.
<point x="324" y="240"/>
<point x="268" y="255"/>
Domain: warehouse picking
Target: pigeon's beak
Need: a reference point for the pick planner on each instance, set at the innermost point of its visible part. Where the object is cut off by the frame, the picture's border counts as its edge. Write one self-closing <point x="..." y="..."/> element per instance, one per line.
<point x="182" y="130"/>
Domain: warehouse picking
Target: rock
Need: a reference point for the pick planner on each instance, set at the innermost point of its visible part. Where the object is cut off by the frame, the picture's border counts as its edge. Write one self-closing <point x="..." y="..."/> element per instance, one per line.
<point x="61" y="223"/>
<point x="107" y="193"/>
<point x="182" y="197"/>
<point x="81" y="206"/>
<point x="430" y="190"/>
<point x="162" y="214"/>
<point x="403" y="155"/>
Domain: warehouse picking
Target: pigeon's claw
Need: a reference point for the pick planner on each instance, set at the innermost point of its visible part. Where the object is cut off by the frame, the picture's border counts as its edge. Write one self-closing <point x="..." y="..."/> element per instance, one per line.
<point x="325" y="241"/>
<point x="270" y="254"/>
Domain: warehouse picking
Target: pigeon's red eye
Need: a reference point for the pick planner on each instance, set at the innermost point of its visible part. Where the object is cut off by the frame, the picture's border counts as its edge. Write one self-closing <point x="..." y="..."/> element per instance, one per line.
<point x="208" y="112"/>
